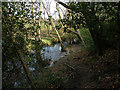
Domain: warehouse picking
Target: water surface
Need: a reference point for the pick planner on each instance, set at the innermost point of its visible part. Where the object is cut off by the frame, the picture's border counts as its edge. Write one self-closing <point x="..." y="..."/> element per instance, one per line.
<point x="15" y="74"/>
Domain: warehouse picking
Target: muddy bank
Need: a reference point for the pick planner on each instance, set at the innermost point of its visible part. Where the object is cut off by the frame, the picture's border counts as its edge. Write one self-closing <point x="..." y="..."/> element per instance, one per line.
<point x="77" y="76"/>
<point x="70" y="54"/>
<point x="84" y="71"/>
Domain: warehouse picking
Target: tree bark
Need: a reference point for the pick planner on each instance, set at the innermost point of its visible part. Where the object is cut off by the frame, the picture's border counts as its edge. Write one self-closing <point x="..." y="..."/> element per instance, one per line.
<point x="63" y="4"/>
<point x="53" y="25"/>
<point x="58" y="9"/>
<point x="60" y="17"/>
<point x="37" y="36"/>
<point x="20" y="53"/>
<point x="81" y="38"/>
<point x="77" y="33"/>
<point x="26" y="68"/>
<point x="118" y="23"/>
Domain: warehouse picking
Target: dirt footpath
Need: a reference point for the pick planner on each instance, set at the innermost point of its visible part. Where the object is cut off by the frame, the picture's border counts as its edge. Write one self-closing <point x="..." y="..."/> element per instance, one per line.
<point x="78" y="75"/>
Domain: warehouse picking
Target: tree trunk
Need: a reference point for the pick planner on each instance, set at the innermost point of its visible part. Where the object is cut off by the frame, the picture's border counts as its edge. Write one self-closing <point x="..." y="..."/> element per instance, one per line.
<point x="81" y="38"/>
<point x="26" y="68"/>
<point x="92" y="31"/>
<point x="74" y="32"/>
<point x="63" y="48"/>
<point x="53" y="25"/>
<point x="58" y="9"/>
<point x="37" y="35"/>
<point x="20" y="53"/>
<point x="60" y="17"/>
<point x="96" y="39"/>
<point x="118" y="23"/>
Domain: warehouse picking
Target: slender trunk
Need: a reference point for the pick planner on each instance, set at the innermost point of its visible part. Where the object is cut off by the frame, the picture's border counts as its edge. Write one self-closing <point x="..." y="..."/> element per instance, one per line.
<point x="58" y="9"/>
<point x="70" y="18"/>
<point x="63" y="48"/>
<point x="48" y="29"/>
<point x="78" y="37"/>
<point x="44" y="20"/>
<point x="33" y="22"/>
<point x="22" y="58"/>
<point x="37" y="36"/>
<point x="74" y="32"/>
<point x="118" y="23"/>
<point x="53" y="25"/>
<point x="26" y="68"/>
<point x="60" y="17"/>
<point x="81" y="38"/>
<point x="20" y="53"/>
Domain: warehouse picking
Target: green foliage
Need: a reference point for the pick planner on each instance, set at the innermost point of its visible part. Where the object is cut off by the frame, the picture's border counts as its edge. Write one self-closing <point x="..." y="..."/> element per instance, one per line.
<point x="12" y="30"/>
<point x="98" y="24"/>
<point x="47" y="40"/>
<point x="87" y="38"/>
<point x="58" y="27"/>
<point x="97" y="17"/>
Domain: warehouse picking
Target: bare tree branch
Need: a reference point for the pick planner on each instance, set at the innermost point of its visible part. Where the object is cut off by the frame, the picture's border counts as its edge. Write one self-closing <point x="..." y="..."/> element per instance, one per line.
<point x="63" y="4"/>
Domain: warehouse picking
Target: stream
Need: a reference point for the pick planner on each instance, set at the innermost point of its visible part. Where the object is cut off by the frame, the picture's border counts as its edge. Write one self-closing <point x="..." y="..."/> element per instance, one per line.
<point x="18" y="78"/>
<point x="53" y="53"/>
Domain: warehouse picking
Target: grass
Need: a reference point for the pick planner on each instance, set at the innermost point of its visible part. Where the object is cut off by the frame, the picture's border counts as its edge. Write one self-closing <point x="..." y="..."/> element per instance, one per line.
<point x="86" y="36"/>
<point x="47" y="41"/>
<point x="87" y="39"/>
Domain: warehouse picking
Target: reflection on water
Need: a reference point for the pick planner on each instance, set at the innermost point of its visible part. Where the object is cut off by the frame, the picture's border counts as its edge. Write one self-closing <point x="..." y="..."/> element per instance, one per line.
<point x="15" y="73"/>
<point x="52" y="52"/>
<point x="31" y="68"/>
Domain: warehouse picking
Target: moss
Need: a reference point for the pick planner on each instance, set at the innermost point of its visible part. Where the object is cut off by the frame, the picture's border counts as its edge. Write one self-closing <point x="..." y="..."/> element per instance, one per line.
<point x="87" y="38"/>
<point x="49" y="42"/>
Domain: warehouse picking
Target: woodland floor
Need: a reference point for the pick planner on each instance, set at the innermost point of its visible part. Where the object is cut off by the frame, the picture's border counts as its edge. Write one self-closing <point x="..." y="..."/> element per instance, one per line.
<point x="82" y="70"/>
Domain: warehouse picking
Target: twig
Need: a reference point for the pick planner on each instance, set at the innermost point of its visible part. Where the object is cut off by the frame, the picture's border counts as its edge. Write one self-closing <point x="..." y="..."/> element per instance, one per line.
<point x="69" y="66"/>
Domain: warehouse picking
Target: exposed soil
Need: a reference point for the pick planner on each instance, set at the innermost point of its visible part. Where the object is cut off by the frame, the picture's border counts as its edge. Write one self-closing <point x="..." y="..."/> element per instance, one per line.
<point x="84" y="71"/>
<point x="78" y="76"/>
<point x="80" y="70"/>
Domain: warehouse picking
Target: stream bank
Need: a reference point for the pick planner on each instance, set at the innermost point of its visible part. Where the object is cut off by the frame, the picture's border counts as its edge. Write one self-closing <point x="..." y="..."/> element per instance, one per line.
<point x="81" y="70"/>
<point x="77" y="69"/>
<point x="16" y="79"/>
